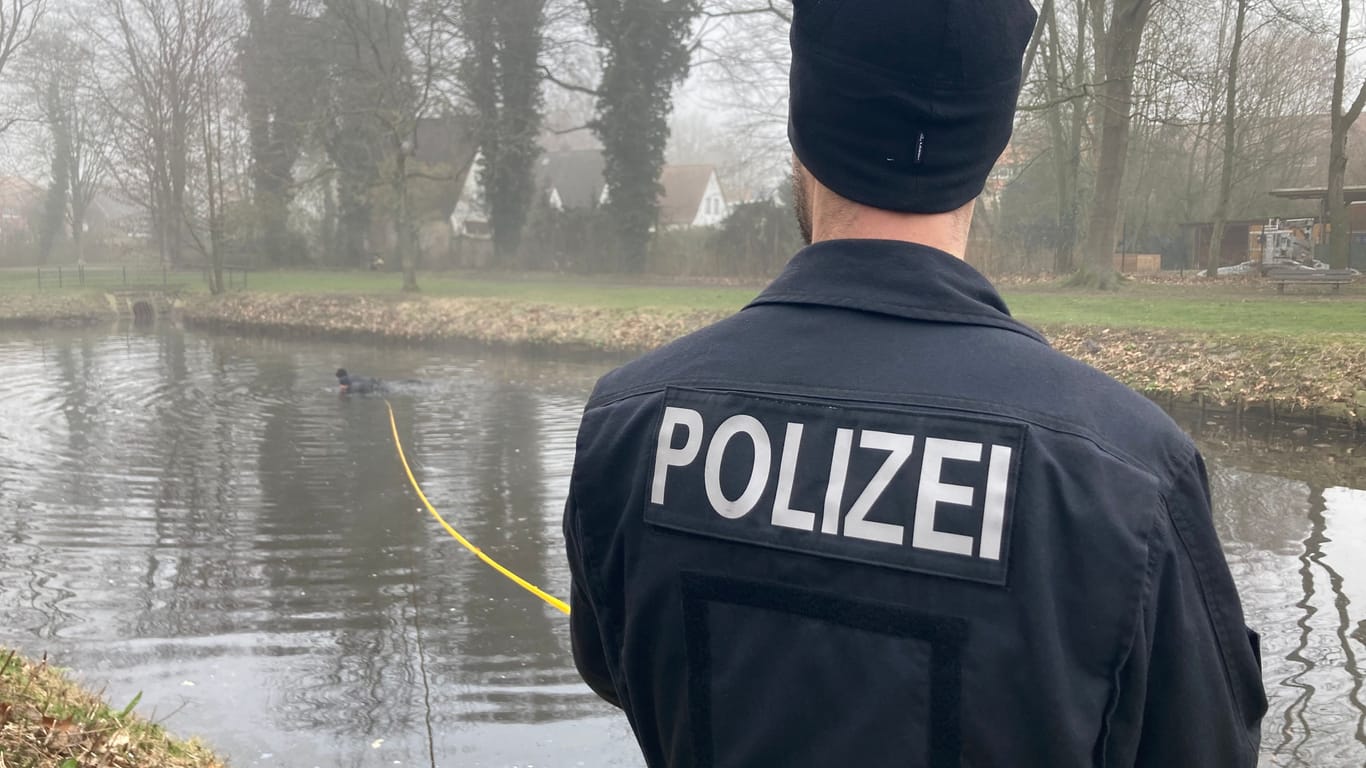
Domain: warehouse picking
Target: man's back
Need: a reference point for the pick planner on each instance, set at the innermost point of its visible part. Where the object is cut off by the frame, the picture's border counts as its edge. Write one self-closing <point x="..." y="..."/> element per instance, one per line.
<point x="872" y="520"/>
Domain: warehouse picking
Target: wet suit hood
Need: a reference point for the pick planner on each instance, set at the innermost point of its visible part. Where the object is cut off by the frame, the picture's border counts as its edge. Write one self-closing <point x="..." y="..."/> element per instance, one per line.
<point x="360" y="385"/>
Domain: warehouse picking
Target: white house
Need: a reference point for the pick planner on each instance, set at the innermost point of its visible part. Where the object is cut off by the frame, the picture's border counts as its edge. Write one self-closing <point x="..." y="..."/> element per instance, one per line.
<point x="692" y="197"/>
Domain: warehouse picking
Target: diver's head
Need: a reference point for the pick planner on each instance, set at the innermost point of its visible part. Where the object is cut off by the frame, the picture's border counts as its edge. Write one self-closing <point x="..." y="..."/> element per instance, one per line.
<point x="344" y="380"/>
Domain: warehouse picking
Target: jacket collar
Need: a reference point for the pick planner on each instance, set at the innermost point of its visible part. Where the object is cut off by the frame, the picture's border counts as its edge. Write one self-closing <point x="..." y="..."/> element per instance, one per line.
<point x="893" y="278"/>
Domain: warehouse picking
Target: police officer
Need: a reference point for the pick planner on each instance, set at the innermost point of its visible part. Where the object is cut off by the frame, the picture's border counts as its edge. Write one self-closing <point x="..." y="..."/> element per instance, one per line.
<point x="871" y="519"/>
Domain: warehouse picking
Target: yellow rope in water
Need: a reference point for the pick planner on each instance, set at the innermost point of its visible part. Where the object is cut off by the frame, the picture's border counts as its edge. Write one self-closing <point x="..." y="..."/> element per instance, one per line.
<point x="553" y="601"/>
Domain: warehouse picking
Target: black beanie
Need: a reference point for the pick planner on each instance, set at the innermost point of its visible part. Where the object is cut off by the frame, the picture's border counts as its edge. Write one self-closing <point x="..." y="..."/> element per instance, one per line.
<point x="905" y="104"/>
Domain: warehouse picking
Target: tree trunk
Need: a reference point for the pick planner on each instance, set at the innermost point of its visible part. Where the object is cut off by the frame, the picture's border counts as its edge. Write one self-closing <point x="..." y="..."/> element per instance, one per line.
<point x="277" y="115"/>
<point x="1340" y="228"/>
<point x="352" y="220"/>
<point x="1069" y="200"/>
<point x="404" y="241"/>
<point x="1062" y="256"/>
<point x="329" y="223"/>
<point x="213" y="169"/>
<point x="1127" y="21"/>
<point x="1216" y="241"/>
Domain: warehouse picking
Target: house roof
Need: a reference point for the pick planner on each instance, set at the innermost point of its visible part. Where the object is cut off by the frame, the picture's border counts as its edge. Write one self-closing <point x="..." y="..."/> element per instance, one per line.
<point x="1352" y="194"/>
<point x="683" y="188"/>
<point x="17" y="193"/>
<point x="576" y="174"/>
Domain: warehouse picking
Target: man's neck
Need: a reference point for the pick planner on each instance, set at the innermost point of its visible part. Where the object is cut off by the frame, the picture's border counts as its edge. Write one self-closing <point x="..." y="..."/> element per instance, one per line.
<point x="945" y="231"/>
<point x="836" y="218"/>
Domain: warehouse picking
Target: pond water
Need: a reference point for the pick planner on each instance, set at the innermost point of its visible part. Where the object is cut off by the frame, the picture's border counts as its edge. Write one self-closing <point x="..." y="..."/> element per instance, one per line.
<point x="202" y="519"/>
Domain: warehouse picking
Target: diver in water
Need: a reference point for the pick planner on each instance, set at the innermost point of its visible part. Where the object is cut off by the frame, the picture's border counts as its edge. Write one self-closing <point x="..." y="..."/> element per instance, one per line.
<point x="358" y="385"/>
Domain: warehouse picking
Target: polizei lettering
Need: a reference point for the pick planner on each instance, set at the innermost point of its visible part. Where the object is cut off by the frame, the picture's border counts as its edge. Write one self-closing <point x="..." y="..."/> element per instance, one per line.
<point x="895" y="486"/>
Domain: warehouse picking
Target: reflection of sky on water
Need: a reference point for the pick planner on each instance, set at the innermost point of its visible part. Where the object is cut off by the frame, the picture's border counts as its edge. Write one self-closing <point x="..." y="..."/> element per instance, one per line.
<point x="1298" y="554"/>
<point x="204" y="520"/>
<point x="177" y="508"/>
<point x="1345" y="520"/>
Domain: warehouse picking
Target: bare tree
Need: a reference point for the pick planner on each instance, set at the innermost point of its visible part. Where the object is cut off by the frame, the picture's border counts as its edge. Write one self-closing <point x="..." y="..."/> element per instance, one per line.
<point x="741" y="56"/>
<point x="398" y="60"/>
<point x="1228" y="149"/>
<point x="60" y="73"/>
<point x="163" y="46"/>
<point x="1066" y="101"/>
<point x="1342" y="115"/>
<point x="18" y="21"/>
<point x="1117" y="45"/>
<point x="217" y="92"/>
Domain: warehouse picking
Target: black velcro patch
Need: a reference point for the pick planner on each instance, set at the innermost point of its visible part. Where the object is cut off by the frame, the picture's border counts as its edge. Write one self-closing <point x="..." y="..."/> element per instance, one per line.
<point x="749" y="691"/>
<point x="900" y="487"/>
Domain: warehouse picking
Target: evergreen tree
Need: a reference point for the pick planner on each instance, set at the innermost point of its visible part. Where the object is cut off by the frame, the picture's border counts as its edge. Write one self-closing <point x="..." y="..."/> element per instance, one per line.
<point x="502" y="78"/>
<point x="54" y="208"/>
<point x="645" y="54"/>
<point x="282" y="75"/>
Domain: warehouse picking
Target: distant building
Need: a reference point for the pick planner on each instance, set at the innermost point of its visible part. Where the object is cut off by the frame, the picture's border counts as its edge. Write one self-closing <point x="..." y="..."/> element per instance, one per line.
<point x="1009" y="165"/>
<point x="20" y="200"/>
<point x="1244" y="239"/>
<point x="572" y="179"/>
<point x="444" y="152"/>
<point x="691" y="197"/>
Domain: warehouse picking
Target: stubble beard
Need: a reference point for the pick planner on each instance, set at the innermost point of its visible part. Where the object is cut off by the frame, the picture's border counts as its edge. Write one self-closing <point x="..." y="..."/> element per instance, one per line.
<point x="801" y="206"/>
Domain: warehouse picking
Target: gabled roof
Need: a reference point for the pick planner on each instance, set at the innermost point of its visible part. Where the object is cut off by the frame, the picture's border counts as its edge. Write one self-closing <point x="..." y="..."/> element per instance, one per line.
<point x="683" y="188"/>
<point x="577" y="175"/>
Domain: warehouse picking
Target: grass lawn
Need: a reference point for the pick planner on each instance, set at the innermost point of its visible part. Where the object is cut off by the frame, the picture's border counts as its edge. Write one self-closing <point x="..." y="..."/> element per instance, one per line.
<point x="47" y="720"/>
<point x="1231" y="307"/>
<point x="620" y="293"/>
<point x="1217" y="311"/>
<point x="1240" y="307"/>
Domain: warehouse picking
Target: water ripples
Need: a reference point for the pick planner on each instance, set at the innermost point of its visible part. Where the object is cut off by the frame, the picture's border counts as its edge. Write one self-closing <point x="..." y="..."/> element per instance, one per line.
<point x="203" y="519"/>
<point x="206" y="520"/>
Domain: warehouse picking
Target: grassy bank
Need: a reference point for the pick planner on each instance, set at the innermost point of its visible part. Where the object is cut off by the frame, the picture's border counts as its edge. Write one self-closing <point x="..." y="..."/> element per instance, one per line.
<point x="1240" y="306"/>
<point x="1231" y="342"/>
<point x="55" y="308"/>
<point x="46" y="721"/>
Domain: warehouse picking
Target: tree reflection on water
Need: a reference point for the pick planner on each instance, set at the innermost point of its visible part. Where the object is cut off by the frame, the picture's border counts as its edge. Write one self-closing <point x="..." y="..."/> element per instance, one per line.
<point x="1290" y="501"/>
<point x="204" y="519"/>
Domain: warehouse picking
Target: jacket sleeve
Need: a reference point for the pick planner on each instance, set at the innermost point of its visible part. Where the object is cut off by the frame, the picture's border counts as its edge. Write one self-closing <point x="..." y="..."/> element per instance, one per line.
<point x="585" y="633"/>
<point x="1195" y="694"/>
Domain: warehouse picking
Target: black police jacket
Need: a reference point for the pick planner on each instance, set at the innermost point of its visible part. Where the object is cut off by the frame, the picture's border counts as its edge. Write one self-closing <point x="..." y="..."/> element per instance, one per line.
<point x="872" y="520"/>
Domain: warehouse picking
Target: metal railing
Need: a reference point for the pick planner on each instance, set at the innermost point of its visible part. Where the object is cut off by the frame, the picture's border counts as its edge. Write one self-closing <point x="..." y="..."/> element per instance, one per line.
<point x="101" y="277"/>
<point x="234" y="276"/>
<point x="125" y="276"/>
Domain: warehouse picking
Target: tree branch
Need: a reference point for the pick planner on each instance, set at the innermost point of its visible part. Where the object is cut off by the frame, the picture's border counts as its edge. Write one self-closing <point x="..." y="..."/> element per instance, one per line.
<point x="766" y="9"/>
<point x="1354" y="111"/>
<point x="550" y="78"/>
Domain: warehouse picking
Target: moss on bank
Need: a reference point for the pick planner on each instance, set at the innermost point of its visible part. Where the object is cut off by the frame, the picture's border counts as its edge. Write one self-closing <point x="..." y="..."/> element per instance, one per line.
<point x="47" y="721"/>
